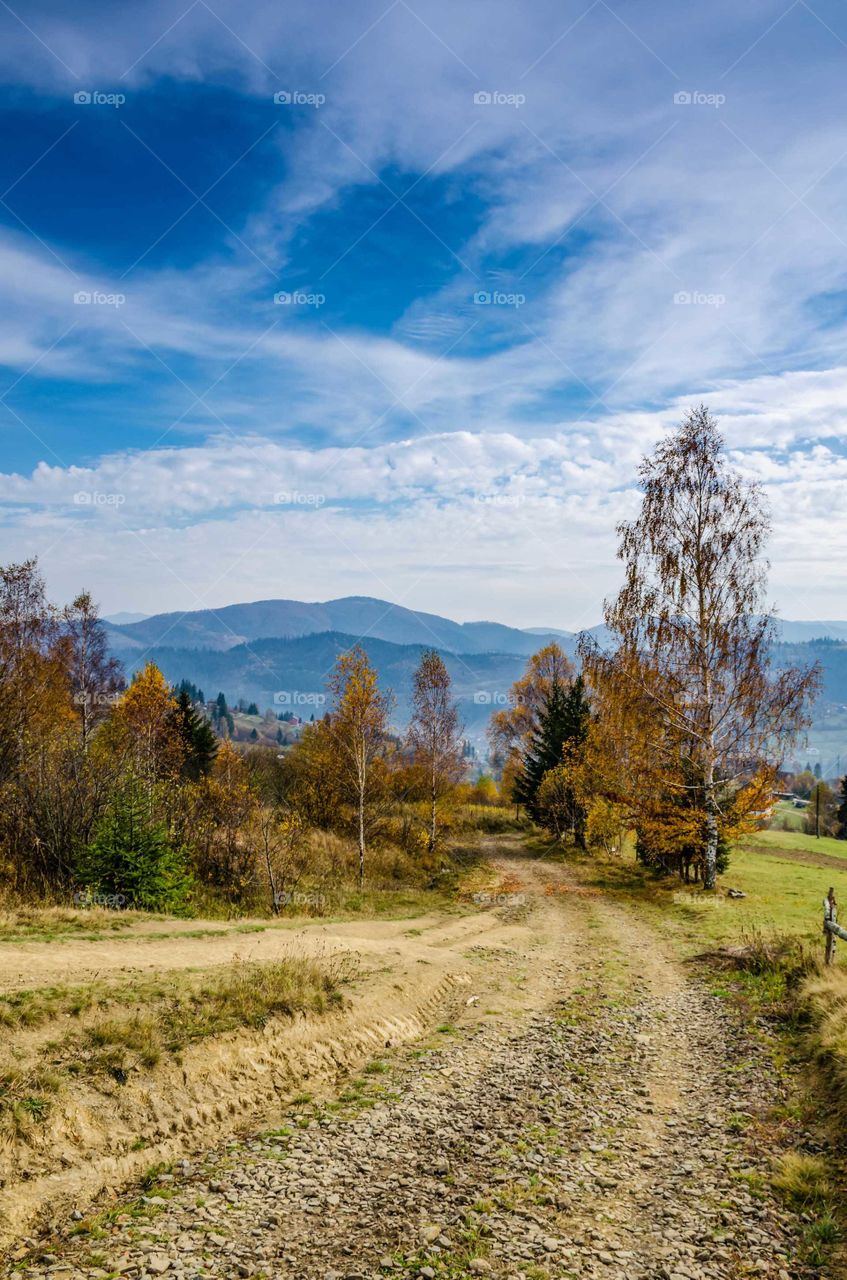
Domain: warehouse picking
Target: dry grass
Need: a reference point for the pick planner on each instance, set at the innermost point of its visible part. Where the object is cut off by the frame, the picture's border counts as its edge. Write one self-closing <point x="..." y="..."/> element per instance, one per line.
<point x="242" y="995"/>
<point x="26" y="1096"/>
<point x="827" y="996"/>
<point x="763" y="951"/>
<point x="22" y="923"/>
<point x="129" y="1027"/>
<point x="803" y="1180"/>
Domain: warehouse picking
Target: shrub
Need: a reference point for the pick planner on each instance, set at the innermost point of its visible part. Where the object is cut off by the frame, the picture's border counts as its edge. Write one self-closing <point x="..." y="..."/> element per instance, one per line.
<point x="131" y="858"/>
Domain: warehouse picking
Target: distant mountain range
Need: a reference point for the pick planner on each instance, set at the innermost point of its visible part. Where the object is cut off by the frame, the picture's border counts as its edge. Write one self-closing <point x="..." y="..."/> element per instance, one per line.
<point x="237" y="624"/>
<point x="279" y="652"/>
<point x="291" y="675"/>
<point x="122" y="619"/>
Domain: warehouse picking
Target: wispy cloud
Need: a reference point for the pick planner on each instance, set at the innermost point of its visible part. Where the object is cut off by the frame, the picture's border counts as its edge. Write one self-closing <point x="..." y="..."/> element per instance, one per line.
<point x="524" y="248"/>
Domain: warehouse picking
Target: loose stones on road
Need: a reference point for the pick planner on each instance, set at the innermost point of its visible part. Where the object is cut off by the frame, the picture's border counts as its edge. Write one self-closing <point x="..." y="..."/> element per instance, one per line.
<point x="599" y="1141"/>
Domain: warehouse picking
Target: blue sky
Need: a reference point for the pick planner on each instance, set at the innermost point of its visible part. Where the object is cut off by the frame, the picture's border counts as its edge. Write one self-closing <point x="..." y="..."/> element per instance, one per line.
<point x="387" y="299"/>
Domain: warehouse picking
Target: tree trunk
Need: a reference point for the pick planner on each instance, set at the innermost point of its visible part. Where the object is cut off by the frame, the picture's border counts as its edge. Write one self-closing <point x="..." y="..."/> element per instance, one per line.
<point x="710" y="862"/>
<point x="361" y="837"/>
<point x="271" y="880"/>
<point x="432" y="817"/>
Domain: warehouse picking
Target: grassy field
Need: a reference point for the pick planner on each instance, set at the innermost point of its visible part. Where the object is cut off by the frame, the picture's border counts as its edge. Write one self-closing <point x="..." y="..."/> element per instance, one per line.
<point x="785" y="815"/>
<point x="782" y="894"/>
<point x="798" y="842"/>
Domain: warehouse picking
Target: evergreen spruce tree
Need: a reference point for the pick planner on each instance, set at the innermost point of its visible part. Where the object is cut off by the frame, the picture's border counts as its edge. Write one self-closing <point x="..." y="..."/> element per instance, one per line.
<point x="132" y="858"/>
<point x="195" y="694"/>
<point x="197" y="736"/>
<point x="221" y="715"/>
<point x="563" y="720"/>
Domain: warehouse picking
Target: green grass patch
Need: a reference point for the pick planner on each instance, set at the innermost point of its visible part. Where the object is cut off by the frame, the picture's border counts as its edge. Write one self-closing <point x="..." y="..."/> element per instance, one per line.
<point x="797" y="842"/>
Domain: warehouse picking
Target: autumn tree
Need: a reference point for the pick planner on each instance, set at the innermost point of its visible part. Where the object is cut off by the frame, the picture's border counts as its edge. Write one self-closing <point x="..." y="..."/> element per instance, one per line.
<point x="435" y="734"/>
<point x="312" y="780"/>
<point x="821" y="816"/>
<point x="95" y="676"/>
<point x="223" y="805"/>
<point x="802" y="783"/>
<point x="841" y="813"/>
<point x="689" y="678"/>
<point x="281" y="836"/>
<point x="33" y="683"/>
<point x="37" y="824"/>
<point x="145" y="728"/>
<point x="358" y="725"/>
<point x="511" y="728"/>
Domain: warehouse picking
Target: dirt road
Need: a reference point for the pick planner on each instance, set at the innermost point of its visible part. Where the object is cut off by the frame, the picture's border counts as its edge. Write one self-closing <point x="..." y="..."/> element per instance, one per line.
<point x="586" y="1111"/>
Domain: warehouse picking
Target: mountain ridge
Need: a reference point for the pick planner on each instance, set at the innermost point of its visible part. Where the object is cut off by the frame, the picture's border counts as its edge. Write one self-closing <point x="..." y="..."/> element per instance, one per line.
<point x="363" y="616"/>
<point x="369" y="616"/>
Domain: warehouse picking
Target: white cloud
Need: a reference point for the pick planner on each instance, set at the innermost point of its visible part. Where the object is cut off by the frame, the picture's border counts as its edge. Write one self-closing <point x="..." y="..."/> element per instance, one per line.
<point x="474" y="524"/>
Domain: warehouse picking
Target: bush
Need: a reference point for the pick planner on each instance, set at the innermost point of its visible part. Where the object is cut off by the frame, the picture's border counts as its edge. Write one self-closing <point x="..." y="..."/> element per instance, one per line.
<point x="803" y="1180"/>
<point x="132" y="860"/>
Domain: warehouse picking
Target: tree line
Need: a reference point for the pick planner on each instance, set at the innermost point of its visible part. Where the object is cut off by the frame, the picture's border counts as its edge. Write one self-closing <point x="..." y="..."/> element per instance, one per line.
<point x="124" y="793"/>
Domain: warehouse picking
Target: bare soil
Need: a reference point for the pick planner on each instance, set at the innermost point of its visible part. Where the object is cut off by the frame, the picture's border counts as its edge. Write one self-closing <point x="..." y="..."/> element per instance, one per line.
<point x="550" y="1093"/>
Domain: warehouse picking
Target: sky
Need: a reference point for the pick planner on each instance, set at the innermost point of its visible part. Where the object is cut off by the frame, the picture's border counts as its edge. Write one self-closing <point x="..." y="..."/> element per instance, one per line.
<point x="388" y="299"/>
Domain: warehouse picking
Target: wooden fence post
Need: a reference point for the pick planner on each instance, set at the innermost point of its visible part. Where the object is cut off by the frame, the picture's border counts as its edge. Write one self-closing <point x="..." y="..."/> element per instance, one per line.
<point x="832" y="929"/>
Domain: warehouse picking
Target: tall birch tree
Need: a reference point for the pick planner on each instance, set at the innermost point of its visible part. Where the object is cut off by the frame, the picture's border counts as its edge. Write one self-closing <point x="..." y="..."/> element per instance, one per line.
<point x="689" y="675"/>
<point x="435" y="734"/>
<point x="359" y="727"/>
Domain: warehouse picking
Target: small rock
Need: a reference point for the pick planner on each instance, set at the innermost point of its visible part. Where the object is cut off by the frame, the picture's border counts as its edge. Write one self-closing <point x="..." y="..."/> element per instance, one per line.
<point x="157" y="1263"/>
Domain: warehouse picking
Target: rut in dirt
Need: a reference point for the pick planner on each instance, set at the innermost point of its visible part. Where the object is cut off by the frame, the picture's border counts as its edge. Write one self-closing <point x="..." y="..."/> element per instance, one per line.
<point x="598" y="1139"/>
